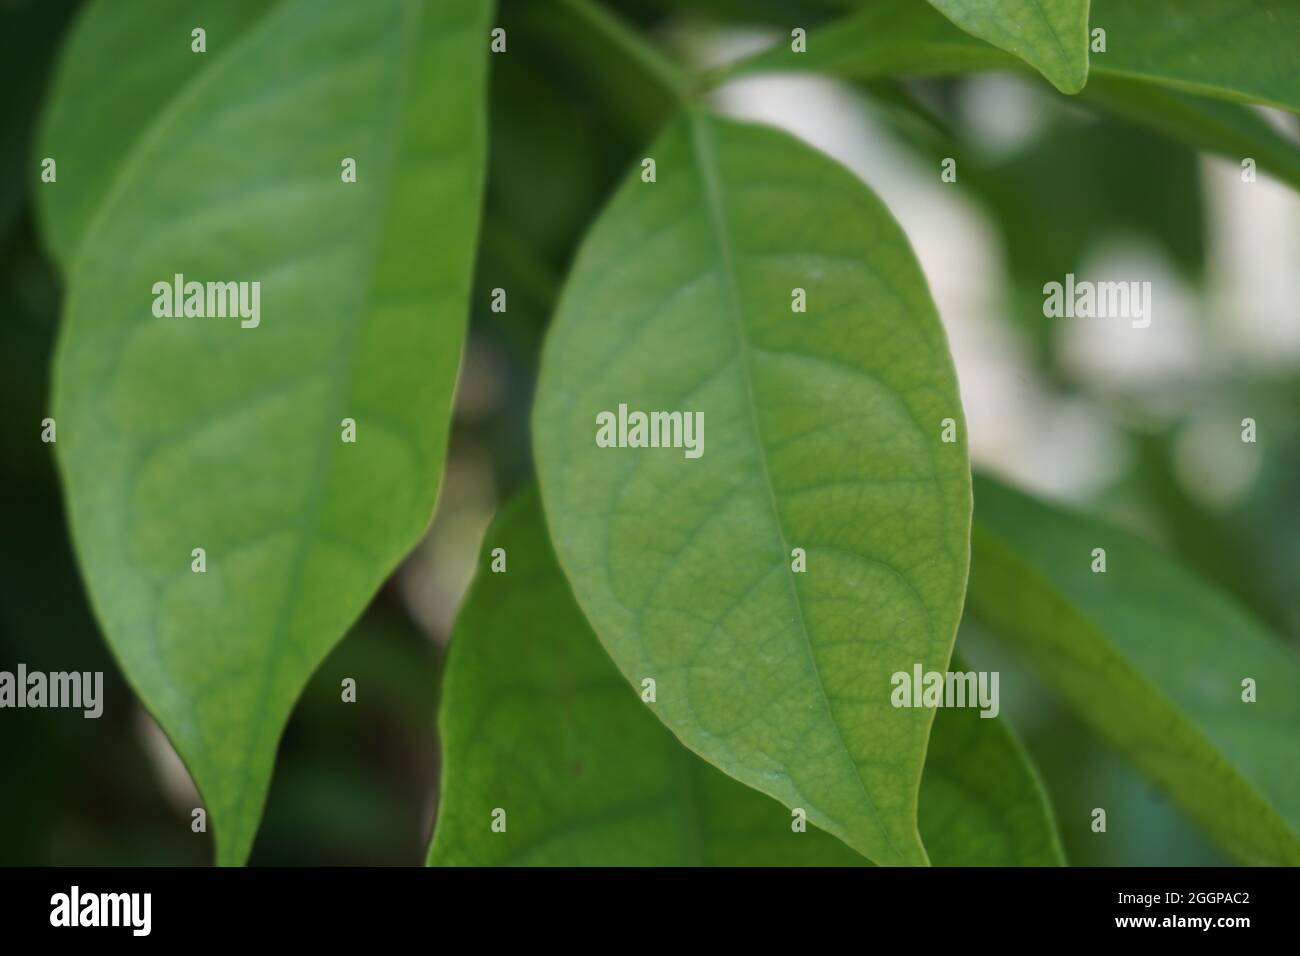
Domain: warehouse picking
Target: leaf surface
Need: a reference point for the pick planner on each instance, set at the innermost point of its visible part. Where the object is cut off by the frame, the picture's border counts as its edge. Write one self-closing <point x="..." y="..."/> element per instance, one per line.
<point x="1216" y="48"/>
<point x="899" y="37"/>
<point x="184" y="433"/>
<point x="1225" y="49"/>
<point x="1153" y="659"/>
<point x="821" y="432"/>
<point x="1049" y="35"/>
<point x="107" y="95"/>
<point x="538" y="722"/>
<point x="1229" y="129"/>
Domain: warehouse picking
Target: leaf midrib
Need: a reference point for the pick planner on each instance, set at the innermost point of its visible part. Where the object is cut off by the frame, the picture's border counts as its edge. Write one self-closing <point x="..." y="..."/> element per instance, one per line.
<point x="409" y="26"/>
<point x="1056" y="38"/>
<point x="701" y="145"/>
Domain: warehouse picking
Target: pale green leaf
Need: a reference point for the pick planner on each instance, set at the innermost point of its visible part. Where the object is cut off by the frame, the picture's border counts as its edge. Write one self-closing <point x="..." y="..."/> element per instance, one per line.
<point x="538" y="722"/>
<point x="822" y="432"/>
<point x="184" y="433"/>
<point x="1154" y="659"/>
<point x="1049" y="35"/>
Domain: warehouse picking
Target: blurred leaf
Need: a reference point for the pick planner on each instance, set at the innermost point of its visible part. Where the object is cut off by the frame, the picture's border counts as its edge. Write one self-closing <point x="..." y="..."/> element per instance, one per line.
<point x="561" y="134"/>
<point x="1216" y="48"/>
<point x="107" y="95"/>
<point x="1153" y="659"/>
<point x="183" y="433"/>
<point x="1224" y="49"/>
<point x="1080" y="773"/>
<point x="885" y="38"/>
<point x="901" y="37"/>
<point x="1049" y="35"/>
<point x="915" y="123"/>
<point x="537" y="721"/>
<point x="569" y="112"/>
<point x="1232" y="131"/>
<point x="982" y="803"/>
<point x="1208" y="543"/>
<point x="553" y="157"/>
<point x="827" y="438"/>
<point x="1270" y="518"/>
<point x="638" y="85"/>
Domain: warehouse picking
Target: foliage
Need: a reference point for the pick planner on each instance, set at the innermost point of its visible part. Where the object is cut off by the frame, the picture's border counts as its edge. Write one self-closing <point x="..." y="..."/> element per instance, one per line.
<point x="681" y="656"/>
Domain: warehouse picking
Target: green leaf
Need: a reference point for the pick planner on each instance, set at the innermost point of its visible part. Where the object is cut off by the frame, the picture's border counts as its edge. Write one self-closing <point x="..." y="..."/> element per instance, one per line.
<point x="900" y="37"/>
<point x="885" y="38"/>
<point x="1228" y="129"/>
<point x="1224" y="49"/>
<point x="982" y="800"/>
<point x="107" y="95"/>
<point x="1153" y="659"/>
<point x="536" y="721"/>
<point x="1216" y="48"/>
<point x="184" y="433"/>
<point x="1080" y="773"/>
<point x="823" y="433"/>
<point x="1209" y="541"/>
<point x="1049" y="35"/>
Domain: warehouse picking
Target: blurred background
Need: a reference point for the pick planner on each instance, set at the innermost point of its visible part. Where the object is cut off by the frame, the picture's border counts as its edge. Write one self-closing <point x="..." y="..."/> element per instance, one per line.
<point x="1128" y="423"/>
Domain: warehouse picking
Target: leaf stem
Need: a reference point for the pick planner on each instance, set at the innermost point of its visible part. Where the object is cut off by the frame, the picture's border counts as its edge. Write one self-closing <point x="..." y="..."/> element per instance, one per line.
<point x="666" y="73"/>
